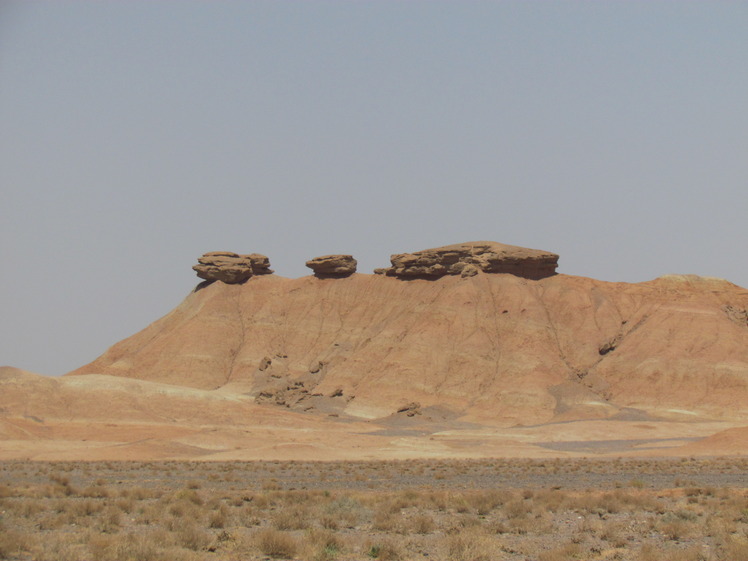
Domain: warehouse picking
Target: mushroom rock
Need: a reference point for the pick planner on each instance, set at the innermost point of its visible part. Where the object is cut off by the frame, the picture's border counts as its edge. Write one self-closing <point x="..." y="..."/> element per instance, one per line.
<point x="333" y="265"/>
<point x="467" y="259"/>
<point x="231" y="268"/>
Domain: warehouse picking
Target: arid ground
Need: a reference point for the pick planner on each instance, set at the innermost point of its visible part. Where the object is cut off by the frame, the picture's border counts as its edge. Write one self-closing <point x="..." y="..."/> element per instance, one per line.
<point x="530" y="510"/>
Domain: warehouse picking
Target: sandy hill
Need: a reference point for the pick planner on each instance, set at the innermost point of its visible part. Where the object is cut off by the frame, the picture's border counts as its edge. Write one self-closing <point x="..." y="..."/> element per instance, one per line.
<point x="438" y="355"/>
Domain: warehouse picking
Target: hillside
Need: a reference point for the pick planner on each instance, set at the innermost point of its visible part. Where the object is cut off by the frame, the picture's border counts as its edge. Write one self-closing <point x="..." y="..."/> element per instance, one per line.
<point x="489" y="348"/>
<point x="442" y="355"/>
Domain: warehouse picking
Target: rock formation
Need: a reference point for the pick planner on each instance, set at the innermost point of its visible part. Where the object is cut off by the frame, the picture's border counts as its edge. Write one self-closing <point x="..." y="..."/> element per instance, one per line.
<point x="496" y="348"/>
<point x="333" y="265"/>
<point x="374" y="367"/>
<point x="231" y="268"/>
<point x="467" y="259"/>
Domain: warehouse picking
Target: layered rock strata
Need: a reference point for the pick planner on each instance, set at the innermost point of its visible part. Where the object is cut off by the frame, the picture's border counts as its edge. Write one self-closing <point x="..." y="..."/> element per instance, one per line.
<point x="231" y="268"/>
<point x="467" y="259"/>
<point x="333" y="265"/>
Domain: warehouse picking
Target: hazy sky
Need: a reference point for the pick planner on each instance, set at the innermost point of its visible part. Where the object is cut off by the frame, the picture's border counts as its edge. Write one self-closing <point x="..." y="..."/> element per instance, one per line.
<point x="134" y="136"/>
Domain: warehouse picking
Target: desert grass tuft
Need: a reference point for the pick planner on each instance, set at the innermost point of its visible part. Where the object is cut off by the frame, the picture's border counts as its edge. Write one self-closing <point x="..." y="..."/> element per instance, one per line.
<point x="276" y="544"/>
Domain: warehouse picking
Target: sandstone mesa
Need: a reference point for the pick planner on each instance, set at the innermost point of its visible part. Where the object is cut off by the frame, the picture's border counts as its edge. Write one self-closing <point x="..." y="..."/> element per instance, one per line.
<point x="469" y="350"/>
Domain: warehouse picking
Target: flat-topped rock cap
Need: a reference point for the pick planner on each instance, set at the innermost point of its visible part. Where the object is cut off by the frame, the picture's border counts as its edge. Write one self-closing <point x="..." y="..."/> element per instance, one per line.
<point x="333" y="265"/>
<point x="470" y="258"/>
<point x="230" y="267"/>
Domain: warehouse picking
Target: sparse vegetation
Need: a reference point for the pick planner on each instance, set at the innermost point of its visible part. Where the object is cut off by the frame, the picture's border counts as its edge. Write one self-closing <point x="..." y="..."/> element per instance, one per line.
<point x="514" y="510"/>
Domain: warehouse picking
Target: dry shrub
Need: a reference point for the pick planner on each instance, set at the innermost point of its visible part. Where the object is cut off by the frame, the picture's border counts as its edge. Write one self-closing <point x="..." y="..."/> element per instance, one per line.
<point x="271" y="485"/>
<point x="182" y="509"/>
<point x="51" y="522"/>
<point x="692" y="553"/>
<point x="56" y="549"/>
<point x="294" y="518"/>
<point x="550" y="500"/>
<point x="324" y="545"/>
<point x="87" y="507"/>
<point x="125" y="504"/>
<point x="484" y="503"/>
<point x="422" y="524"/>
<point x="28" y="508"/>
<point x="261" y="501"/>
<point x="611" y="502"/>
<point x="148" y="515"/>
<point x="467" y="521"/>
<point x="61" y="487"/>
<point x="385" y="550"/>
<point x="386" y="521"/>
<point x="565" y="552"/>
<point x="517" y="509"/>
<point x="459" y="504"/>
<point x="329" y="522"/>
<point x="102" y="547"/>
<point x="132" y="547"/>
<point x="190" y="536"/>
<point x="139" y="547"/>
<point x="219" y="518"/>
<point x="650" y="552"/>
<point x="11" y="543"/>
<point x="95" y="492"/>
<point x="407" y="498"/>
<point x="472" y="545"/>
<point x="734" y="548"/>
<point x="592" y="526"/>
<point x="439" y="500"/>
<point x="675" y="529"/>
<point x="190" y="495"/>
<point x="346" y="511"/>
<point x="614" y="533"/>
<point x="137" y="493"/>
<point x="278" y="545"/>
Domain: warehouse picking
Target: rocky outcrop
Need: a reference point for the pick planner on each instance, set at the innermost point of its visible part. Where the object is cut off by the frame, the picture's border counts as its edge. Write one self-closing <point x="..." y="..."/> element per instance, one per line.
<point x="231" y="268"/>
<point x="467" y="259"/>
<point x="333" y="265"/>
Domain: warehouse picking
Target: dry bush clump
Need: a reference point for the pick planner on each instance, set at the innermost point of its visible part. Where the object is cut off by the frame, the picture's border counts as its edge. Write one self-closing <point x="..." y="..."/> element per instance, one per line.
<point x="422" y="524"/>
<point x="276" y="544"/>
<point x="386" y="549"/>
<point x="12" y="543"/>
<point x="291" y="518"/>
<point x="563" y="552"/>
<point x="322" y="545"/>
<point x="471" y="545"/>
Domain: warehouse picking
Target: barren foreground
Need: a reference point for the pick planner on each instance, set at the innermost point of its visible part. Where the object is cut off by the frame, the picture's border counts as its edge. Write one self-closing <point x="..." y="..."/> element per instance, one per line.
<point x="544" y="510"/>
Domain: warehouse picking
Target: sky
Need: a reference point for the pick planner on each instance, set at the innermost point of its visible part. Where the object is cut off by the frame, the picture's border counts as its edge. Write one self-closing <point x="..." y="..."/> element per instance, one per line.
<point x="135" y="136"/>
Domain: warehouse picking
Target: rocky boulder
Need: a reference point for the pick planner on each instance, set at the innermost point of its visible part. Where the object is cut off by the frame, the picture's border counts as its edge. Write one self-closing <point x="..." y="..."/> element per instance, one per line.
<point x="468" y="259"/>
<point x="231" y="268"/>
<point x="332" y="265"/>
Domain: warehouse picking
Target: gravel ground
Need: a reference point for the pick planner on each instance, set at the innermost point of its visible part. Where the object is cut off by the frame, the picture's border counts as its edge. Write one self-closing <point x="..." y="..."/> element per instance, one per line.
<point x="395" y="475"/>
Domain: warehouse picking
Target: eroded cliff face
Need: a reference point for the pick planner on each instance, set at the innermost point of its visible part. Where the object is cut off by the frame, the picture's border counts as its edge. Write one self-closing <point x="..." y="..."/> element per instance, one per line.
<point x="494" y="348"/>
